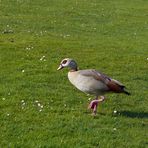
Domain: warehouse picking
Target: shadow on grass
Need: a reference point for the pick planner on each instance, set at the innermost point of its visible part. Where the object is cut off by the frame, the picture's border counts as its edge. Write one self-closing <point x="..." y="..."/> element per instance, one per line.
<point x="131" y="114"/>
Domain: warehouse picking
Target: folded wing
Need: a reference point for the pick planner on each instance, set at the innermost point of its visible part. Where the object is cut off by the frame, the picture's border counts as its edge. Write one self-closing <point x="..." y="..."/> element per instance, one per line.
<point x="112" y="84"/>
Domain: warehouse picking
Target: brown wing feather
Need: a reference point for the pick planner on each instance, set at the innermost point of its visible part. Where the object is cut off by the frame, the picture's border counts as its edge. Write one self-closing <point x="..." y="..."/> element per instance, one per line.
<point x="114" y="86"/>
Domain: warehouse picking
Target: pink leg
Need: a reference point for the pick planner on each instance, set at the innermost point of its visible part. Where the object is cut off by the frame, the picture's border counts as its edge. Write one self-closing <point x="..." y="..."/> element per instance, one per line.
<point x="94" y="104"/>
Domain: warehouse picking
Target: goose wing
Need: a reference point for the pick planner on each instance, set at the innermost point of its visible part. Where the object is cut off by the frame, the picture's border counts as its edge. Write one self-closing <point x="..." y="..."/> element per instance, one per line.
<point x="112" y="84"/>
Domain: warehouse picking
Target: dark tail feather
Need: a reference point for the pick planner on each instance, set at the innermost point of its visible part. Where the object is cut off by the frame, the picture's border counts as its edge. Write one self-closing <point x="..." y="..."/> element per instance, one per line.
<point x="127" y="93"/>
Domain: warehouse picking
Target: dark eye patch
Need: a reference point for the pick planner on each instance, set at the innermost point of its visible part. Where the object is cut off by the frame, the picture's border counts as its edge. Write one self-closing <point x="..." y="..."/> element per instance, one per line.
<point x="64" y="62"/>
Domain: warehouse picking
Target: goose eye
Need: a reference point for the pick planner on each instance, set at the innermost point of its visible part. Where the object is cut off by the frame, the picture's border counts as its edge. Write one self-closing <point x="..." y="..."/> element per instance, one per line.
<point x="64" y="62"/>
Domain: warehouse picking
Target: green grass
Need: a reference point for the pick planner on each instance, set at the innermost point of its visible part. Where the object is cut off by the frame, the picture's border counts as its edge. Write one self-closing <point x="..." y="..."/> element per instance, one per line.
<point x="110" y="36"/>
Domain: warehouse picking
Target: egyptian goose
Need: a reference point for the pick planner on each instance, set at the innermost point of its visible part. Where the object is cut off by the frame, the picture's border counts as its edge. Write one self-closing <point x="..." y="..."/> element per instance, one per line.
<point x="92" y="82"/>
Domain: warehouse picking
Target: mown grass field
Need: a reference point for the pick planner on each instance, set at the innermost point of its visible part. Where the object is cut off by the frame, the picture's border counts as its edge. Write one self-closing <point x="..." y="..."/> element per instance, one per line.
<point x="38" y="105"/>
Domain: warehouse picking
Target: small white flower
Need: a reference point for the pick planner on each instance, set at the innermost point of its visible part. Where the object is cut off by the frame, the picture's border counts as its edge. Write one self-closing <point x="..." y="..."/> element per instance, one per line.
<point x="3" y="99"/>
<point x="36" y="101"/>
<point x="65" y="105"/>
<point x="147" y="58"/>
<point x="40" y="110"/>
<point x="22" y="101"/>
<point x="89" y="99"/>
<point x="42" y="58"/>
<point x="39" y="104"/>
<point x="8" y="114"/>
<point x="114" y="129"/>
<point x="28" y="48"/>
<point x="23" y="71"/>
<point x="115" y="111"/>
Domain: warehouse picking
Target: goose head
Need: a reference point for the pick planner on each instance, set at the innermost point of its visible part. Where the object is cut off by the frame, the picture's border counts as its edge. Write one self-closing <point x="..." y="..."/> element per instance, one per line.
<point x="67" y="62"/>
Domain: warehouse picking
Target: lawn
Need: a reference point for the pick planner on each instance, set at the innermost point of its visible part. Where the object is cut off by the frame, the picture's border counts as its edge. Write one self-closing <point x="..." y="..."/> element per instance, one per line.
<point x="38" y="105"/>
